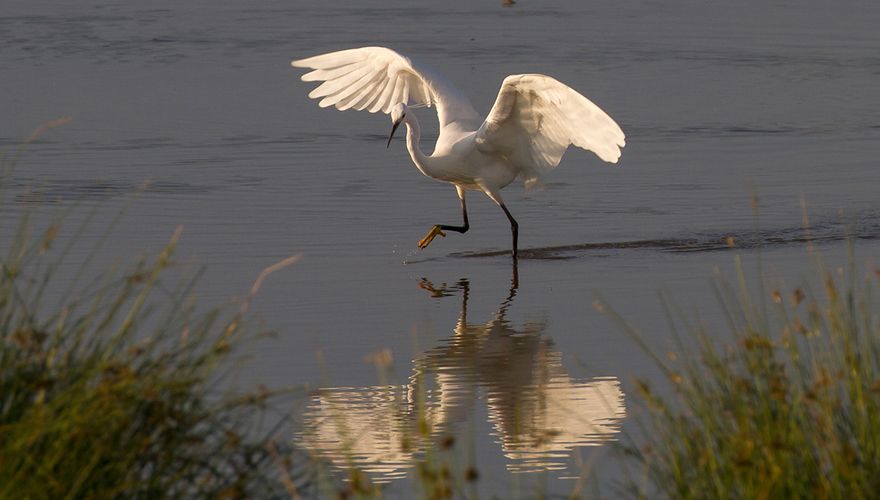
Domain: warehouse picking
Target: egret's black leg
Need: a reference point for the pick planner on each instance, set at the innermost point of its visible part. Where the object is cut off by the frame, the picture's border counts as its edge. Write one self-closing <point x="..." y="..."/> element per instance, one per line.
<point x="459" y="229"/>
<point x="439" y="228"/>
<point x="514" y="227"/>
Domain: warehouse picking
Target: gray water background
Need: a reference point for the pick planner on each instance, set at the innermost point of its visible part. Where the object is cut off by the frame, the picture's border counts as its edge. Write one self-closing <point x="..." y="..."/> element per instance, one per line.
<point x="720" y="101"/>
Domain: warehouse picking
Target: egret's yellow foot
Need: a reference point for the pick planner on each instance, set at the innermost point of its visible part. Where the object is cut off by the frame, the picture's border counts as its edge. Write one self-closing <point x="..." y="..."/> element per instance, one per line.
<point x="424" y="242"/>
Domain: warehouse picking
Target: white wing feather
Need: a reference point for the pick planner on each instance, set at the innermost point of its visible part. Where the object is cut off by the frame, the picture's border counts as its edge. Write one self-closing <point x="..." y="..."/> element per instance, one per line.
<point x="377" y="78"/>
<point x="534" y="120"/>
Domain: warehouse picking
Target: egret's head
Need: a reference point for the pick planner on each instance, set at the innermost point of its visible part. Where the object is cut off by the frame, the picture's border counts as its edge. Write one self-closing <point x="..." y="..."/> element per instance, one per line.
<point x="398" y="113"/>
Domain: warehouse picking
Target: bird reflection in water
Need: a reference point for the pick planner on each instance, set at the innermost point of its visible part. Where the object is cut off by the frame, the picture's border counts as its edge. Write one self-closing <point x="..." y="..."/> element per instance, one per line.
<point x="538" y="413"/>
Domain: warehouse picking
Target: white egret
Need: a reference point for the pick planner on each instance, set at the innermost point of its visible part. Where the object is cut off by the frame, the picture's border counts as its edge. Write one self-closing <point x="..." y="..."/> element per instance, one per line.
<point x="534" y="120"/>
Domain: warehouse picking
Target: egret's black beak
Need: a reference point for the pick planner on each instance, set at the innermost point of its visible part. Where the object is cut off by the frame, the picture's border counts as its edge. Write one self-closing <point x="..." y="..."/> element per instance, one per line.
<point x="393" y="129"/>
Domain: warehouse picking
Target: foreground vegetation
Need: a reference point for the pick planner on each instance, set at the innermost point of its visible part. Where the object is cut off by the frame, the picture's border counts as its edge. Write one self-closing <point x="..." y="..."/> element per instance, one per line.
<point x="111" y="382"/>
<point x="786" y="404"/>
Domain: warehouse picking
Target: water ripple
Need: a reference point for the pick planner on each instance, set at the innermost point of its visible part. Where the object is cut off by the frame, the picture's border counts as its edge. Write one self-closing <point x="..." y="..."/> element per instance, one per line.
<point x="864" y="227"/>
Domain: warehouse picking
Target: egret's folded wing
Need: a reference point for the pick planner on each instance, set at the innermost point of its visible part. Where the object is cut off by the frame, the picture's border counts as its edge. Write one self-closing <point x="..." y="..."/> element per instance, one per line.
<point x="535" y="118"/>
<point x="377" y="78"/>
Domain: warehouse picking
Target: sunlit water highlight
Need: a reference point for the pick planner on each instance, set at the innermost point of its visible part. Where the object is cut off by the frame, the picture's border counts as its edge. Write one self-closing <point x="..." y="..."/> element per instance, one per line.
<point x="537" y="411"/>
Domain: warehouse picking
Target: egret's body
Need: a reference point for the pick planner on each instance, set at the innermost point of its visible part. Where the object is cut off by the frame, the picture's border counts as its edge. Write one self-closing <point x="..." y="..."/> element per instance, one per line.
<point x="534" y="120"/>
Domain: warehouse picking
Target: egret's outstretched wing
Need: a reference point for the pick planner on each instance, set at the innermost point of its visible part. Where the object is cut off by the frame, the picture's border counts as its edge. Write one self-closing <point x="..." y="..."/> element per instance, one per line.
<point x="534" y="120"/>
<point x="377" y="78"/>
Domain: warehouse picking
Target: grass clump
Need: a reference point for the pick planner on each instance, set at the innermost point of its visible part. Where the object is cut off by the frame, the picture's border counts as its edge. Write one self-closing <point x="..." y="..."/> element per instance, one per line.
<point x="785" y="405"/>
<point x="114" y="388"/>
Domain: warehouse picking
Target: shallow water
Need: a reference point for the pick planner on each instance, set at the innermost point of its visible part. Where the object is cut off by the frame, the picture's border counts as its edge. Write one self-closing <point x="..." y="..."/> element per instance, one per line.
<point x="190" y="114"/>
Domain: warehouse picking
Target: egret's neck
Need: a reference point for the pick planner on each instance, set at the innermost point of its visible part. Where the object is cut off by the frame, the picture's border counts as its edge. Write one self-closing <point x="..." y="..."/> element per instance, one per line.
<point x="413" y="135"/>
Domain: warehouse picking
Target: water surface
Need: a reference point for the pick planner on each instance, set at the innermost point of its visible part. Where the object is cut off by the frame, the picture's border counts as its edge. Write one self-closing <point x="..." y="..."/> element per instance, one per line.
<point x="190" y="114"/>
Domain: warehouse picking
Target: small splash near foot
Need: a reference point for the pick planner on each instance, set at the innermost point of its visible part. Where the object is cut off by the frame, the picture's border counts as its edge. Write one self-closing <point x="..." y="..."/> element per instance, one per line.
<point x="409" y="256"/>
